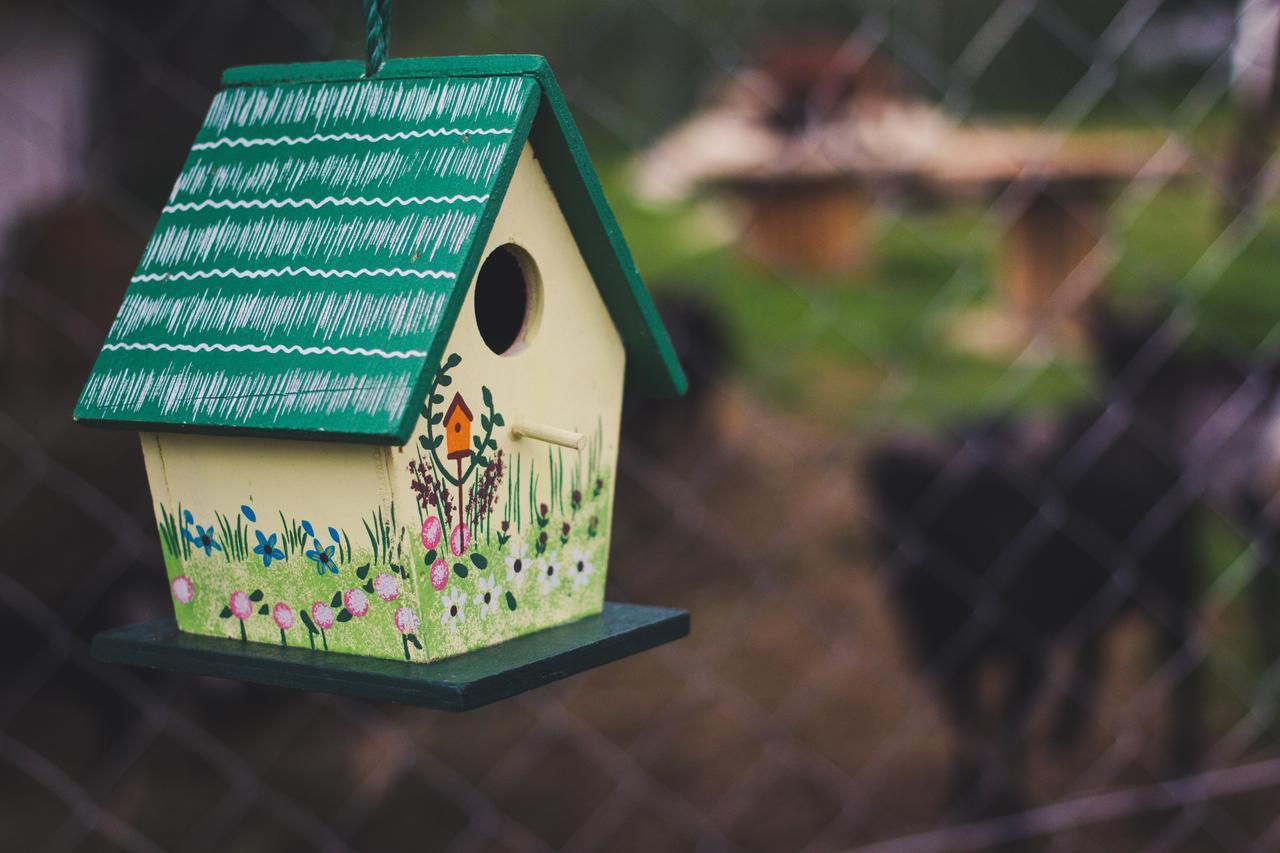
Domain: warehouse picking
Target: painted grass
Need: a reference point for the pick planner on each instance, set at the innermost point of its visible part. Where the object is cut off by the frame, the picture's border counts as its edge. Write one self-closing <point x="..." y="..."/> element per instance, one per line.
<point x="386" y="536"/>
<point x="175" y="544"/>
<point x="234" y="540"/>
<point x="294" y="582"/>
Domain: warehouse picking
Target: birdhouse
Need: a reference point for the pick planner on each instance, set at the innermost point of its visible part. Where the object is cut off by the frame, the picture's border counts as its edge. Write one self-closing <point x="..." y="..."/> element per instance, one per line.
<point x="376" y="350"/>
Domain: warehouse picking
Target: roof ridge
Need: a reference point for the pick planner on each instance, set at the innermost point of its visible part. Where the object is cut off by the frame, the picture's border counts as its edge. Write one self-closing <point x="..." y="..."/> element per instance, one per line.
<point x="350" y="70"/>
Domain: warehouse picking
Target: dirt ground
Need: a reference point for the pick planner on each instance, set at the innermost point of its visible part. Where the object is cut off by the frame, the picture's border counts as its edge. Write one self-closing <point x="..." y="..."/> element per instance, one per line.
<point x="790" y="719"/>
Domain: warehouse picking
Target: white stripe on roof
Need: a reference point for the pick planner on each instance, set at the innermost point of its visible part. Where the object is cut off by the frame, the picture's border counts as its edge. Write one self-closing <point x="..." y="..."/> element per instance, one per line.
<point x="291" y="349"/>
<point x="312" y="203"/>
<point x="248" y="142"/>
<point x="233" y="273"/>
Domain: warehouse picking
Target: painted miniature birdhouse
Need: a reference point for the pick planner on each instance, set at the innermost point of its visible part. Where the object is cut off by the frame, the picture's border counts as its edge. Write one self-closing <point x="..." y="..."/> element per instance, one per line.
<point x="457" y="428"/>
<point x="376" y="352"/>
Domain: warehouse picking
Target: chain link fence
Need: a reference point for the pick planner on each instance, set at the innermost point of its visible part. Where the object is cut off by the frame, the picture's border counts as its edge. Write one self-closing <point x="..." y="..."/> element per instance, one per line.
<point x="973" y="498"/>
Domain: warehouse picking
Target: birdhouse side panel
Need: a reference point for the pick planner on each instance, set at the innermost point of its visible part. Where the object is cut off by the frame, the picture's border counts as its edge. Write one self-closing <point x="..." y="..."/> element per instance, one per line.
<point x="515" y="533"/>
<point x="296" y="543"/>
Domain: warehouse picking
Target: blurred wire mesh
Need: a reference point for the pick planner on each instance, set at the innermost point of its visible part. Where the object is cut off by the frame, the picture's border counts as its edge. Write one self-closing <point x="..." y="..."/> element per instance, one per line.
<point x="973" y="498"/>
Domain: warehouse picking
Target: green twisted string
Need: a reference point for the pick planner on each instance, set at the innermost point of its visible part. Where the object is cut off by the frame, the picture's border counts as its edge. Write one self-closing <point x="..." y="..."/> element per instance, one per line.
<point x="377" y="28"/>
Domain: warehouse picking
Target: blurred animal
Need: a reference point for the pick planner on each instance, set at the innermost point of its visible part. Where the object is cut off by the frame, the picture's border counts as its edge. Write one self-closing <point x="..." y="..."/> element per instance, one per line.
<point x="1220" y="408"/>
<point x="1015" y="538"/>
<point x="702" y="345"/>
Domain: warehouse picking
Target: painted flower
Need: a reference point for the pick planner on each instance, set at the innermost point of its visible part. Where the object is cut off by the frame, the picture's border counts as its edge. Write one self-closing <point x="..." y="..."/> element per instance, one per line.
<point x="204" y="540"/>
<point x="548" y="574"/>
<point x="240" y="605"/>
<point x="439" y="574"/>
<point x="580" y="568"/>
<point x="386" y="586"/>
<point x="517" y="563"/>
<point x="323" y="558"/>
<point x="406" y="620"/>
<point x="322" y="614"/>
<point x="431" y="532"/>
<point x="266" y="549"/>
<point x="488" y="597"/>
<point x="460" y="539"/>
<point x="356" y="602"/>
<point x="283" y="614"/>
<point x="453" y="614"/>
<point x="183" y="589"/>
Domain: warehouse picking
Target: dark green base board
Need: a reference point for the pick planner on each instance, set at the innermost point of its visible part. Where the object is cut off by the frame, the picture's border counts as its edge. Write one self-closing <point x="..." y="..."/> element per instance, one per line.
<point x="455" y="684"/>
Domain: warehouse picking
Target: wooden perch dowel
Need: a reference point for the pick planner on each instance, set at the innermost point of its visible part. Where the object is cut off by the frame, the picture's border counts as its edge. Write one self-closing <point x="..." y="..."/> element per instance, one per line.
<point x="551" y="435"/>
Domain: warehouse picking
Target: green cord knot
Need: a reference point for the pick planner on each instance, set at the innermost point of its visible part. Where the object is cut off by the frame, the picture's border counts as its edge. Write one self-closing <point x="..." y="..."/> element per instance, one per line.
<point x="377" y="26"/>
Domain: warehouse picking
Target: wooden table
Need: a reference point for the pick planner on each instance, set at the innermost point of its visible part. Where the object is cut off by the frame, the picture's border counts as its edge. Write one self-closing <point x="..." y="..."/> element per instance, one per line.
<point x="806" y="202"/>
<point x="1052" y="192"/>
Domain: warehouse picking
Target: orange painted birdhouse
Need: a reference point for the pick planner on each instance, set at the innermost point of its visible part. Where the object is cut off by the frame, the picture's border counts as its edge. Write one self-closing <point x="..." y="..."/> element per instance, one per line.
<point x="457" y="427"/>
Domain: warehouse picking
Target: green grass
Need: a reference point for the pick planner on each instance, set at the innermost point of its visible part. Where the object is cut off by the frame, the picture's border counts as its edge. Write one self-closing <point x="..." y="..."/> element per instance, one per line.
<point x="869" y="349"/>
<point x="860" y="354"/>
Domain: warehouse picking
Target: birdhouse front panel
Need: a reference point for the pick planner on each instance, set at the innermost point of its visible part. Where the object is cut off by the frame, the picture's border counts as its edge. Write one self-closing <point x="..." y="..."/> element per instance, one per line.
<point x="536" y="515"/>
<point x="376" y="350"/>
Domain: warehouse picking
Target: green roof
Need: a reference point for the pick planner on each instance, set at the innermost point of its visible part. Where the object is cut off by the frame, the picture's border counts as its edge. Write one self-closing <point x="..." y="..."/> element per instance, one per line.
<point x="308" y="269"/>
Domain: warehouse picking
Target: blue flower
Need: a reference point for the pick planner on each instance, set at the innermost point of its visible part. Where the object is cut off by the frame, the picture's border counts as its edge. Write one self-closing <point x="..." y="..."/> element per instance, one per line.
<point x="323" y="558"/>
<point x="266" y="548"/>
<point x="203" y="538"/>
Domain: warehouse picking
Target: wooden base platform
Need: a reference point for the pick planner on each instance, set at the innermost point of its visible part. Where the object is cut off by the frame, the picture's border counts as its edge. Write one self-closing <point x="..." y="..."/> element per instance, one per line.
<point x="455" y="684"/>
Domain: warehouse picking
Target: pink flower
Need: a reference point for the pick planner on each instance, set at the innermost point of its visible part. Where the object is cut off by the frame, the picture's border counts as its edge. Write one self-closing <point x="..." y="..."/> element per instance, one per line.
<point x="357" y="603"/>
<point x="460" y="539"/>
<point x="322" y="614"/>
<point x="183" y="590"/>
<point x="406" y="620"/>
<point x="386" y="586"/>
<point x="439" y="574"/>
<point x="283" y="614"/>
<point x="431" y="532"/>
<point x="240" y="605"/>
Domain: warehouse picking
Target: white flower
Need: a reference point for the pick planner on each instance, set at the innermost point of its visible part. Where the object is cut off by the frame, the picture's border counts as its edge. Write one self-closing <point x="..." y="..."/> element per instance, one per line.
<point x="580" y="568"/>
<point x="518" y="565"/>
<point x="488" y="597"/>
<point x="453" y="614"/>
<point x="548" y="573"/>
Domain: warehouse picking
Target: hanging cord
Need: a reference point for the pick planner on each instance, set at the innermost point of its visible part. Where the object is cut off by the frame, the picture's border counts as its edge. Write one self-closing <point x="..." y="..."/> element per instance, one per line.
<point x="377" y="27"/>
